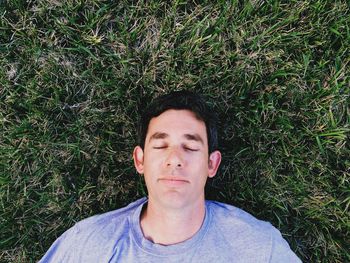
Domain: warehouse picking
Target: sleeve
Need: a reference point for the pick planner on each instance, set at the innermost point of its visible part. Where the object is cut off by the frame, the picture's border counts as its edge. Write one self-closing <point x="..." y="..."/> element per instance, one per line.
<point x="280" y="251"/>
<point x="63" y="249"/>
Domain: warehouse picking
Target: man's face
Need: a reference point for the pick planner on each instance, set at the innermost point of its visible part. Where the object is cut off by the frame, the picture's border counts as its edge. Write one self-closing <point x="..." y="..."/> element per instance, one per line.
<point x="175" y="160"/>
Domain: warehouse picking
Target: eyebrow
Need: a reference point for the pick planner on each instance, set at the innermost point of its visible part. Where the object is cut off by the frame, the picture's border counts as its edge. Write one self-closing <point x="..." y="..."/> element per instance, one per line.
<point x="194" y="137"/>
<point x="162" y="135"/>
<point x="158" y="135"/>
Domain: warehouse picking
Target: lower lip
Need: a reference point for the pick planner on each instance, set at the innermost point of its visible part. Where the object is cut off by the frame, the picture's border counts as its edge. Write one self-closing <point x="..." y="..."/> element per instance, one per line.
<point x="173" y="182"/>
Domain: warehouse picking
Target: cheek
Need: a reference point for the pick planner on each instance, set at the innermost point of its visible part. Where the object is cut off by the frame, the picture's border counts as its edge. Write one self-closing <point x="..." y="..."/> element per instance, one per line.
<point x="201" y="159"/>
<point x="152" y="161"/>
<point x="199" y="164"/>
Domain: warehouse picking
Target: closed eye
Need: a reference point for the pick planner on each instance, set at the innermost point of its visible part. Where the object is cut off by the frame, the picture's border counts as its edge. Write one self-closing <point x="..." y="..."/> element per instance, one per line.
<point x="159" y="147"/>
<point x="190" y="149"/>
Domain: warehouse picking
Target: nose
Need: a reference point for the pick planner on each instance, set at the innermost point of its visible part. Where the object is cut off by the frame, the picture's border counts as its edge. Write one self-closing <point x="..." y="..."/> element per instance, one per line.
<point x="174" y="159"/>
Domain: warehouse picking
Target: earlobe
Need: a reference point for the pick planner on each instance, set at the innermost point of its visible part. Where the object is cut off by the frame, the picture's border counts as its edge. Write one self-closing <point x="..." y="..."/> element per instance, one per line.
<point x="214" y="162"/>
<point x="138" y="159"/>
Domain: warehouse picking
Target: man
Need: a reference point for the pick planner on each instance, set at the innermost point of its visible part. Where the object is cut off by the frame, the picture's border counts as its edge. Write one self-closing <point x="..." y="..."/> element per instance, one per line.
<point x="176" y="154"/>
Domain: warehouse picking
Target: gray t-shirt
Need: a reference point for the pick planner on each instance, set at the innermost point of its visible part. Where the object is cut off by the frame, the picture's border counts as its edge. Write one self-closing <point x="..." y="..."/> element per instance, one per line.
<point x="228" y="234"/>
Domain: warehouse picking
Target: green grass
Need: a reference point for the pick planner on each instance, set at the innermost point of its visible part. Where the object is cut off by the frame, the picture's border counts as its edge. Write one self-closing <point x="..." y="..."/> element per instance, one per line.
<point x="73" y="75"/>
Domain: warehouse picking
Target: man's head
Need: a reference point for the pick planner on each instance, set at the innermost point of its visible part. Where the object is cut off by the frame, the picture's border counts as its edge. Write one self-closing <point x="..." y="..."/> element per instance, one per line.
<point x="180" y="100"/>
<point x="174" y="153"/>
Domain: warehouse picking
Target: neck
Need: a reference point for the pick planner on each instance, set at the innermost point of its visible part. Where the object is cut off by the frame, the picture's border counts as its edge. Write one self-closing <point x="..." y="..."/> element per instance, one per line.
<point x="167" y="226"/>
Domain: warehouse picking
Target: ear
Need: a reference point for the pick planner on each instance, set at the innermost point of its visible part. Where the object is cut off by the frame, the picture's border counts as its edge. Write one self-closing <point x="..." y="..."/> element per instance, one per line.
<point x="138" y="159"/>
<point x="214" y="162"/>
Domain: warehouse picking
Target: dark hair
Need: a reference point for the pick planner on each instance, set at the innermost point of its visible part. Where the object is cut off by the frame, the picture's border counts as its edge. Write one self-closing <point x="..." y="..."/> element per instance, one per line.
<point x="180" y="100"/>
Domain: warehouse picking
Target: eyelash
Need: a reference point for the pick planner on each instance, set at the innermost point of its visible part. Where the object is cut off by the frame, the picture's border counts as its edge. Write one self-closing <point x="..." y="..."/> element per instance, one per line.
<point x="190" y="149"/>
<point x="186" y="148"/>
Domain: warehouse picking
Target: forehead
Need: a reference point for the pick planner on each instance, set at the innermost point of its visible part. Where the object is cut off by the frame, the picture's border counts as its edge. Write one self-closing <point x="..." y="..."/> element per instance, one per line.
<point x="177" y="122"/>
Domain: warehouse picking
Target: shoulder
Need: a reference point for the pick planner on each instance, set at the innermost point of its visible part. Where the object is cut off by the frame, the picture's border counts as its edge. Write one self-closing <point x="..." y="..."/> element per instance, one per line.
<point x="109" y="220"/>
<point x="94" y="238"/>
<point x="230" y="216"/>
<point x="247" y="234"/>
<point x="241" y="230"/>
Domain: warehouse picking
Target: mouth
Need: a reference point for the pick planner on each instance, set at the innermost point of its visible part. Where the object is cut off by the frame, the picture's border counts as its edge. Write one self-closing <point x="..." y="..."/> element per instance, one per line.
<point x="173" y="181"/>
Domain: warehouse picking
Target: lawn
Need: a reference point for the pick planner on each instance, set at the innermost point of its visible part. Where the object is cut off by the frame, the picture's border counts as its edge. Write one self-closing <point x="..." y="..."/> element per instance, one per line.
<point x="75" y="74"/>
